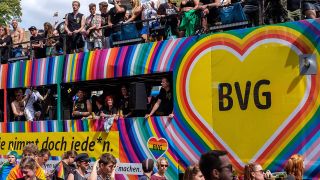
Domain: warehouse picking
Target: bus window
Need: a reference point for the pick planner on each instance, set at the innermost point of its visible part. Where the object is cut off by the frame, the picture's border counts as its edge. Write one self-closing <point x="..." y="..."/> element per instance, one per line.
<point x="34" y="103"/>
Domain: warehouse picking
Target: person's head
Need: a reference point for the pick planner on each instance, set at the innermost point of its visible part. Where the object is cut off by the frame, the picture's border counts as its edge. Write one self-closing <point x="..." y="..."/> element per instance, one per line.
<point x="147" y="165"/>
<point x="81" y="94"/>
<point x="162" y="165"/>
<point x="33" y="31"/>
<point x="107" y="163"/>
<point x="253" y="171"/>
<point x="12" y="157"/>
<point x="3" y="31"/>
<point x="28" y="168"/>
<point x="30" y="150"/>
<point x="69" y="156"/>
<point x="47" y="27"/>
<point x="118" y="1"/>
<point x="165" y="83"/>
<point x="14" y="23"/>
<point x="92" y="8"/>
<point x="109" y="101"/>
<point x="103" y="7"/>
<point x="124" y="90"/>
<point x="43" y="156"/>
<point x="18" y="94"/>
<point x="215" y="164"/>
<point x="82" y="161"/>
<point x="294" y="166"/>
<point x="193" y="173"/>
<point x="75" y="5"/>
<point x="99" y="101"/>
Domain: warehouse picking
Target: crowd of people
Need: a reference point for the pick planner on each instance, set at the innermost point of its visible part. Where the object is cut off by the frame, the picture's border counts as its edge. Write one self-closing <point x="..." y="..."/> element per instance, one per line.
<point x="214" y="164"/>
<point x="149" y="20"/>
<point x="29" y="105"/>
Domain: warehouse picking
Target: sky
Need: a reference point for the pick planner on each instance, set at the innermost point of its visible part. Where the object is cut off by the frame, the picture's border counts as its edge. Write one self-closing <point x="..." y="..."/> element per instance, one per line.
<point x="37" y="12"/>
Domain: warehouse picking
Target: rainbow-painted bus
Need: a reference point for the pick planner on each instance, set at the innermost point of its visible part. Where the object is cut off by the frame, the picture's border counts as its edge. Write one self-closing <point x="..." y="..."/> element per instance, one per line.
<point x="241" y="91"/>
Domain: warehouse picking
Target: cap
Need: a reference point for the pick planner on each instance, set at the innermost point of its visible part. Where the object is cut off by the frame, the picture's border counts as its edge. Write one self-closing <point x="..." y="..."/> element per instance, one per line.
<point x="147" y="165"/>
<point x="82" y="157"/>
<point x="32" y="28"/>
<point x="13" y="153"/>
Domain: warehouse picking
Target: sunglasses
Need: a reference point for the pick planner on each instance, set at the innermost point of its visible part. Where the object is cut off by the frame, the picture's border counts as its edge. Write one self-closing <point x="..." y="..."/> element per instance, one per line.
<point x="164" y="165"/>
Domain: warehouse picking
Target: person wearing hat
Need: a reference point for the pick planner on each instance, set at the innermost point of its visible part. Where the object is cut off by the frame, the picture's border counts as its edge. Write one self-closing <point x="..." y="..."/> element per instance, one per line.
<point x="104" y="168"/>
<point x="37" y="43"/>
<point x="6" y="167"/>
<point x="82" y="160"/>
<point x="147" y="167"/>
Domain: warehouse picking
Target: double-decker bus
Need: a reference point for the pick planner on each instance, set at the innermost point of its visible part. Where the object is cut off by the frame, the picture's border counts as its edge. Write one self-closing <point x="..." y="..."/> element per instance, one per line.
<point x="253" y="92"/>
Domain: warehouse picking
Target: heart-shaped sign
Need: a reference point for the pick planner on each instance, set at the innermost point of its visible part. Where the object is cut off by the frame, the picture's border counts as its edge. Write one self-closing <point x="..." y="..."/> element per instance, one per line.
<point x="236" y="88"/>
<point x="157" y="147"/>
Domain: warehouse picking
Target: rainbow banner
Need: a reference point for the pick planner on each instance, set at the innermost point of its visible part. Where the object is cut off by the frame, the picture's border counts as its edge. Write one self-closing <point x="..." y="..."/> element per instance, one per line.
<point x="3" y="75"/>
<point x="36" y="72"/>
<point x="124" y="61"/>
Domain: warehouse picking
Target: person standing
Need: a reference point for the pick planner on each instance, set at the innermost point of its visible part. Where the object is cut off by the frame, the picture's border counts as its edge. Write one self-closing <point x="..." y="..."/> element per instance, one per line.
<point x="106" y="31"/>
<point x="81" y="106"/>
<point x="74" y="25"/>
<point x="147" y="167"/>
<point x="93" y="32"/>
<point x="31" y="97"/>
<point x="215" y="164"/>
<point x="17" y="35"/>
<point x="5" y="43"/>
<point x="104" y="168"/>
<point x="6" y="167"/>
<point x="65" y="166"/>
<point x="162" y="165"/>
<point x="37" y="43"/>
<point x="164" y="104"/>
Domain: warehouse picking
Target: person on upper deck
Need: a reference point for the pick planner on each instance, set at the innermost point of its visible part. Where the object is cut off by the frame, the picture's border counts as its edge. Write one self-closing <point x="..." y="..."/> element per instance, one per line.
<point x="5" y="43"/>
<point x="74" y="24"/>
<point x="103" y="7"/>
<point x="116" y="16"/>
<point x="92" y="31"/>
<point x="37" y="43"/>
<point x="17" y="35"/>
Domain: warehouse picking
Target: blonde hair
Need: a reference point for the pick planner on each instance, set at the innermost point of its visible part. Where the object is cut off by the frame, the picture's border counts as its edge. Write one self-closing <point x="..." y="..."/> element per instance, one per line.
<point x="294" y="166"/>
<point x="161" y="159"/>
<point x="191" y="171"/>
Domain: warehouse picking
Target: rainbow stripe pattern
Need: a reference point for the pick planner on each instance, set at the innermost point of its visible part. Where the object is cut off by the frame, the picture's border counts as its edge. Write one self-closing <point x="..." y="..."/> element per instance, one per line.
<point x="3" y="76"/>
<point x="36" y="72"/>
<point x="187" y="136"/>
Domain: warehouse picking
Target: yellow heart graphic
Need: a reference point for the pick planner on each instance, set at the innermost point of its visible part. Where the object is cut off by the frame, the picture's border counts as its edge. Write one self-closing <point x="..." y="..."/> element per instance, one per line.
<point x="243" y="95"/>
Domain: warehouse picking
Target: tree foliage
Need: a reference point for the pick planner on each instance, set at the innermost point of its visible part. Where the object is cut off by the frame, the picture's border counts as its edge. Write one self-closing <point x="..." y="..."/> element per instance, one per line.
<point x="10" y="9"/>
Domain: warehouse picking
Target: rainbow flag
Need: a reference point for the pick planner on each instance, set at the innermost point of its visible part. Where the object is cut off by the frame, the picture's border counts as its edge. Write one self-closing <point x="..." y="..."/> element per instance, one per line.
<point x="59" y="171"/>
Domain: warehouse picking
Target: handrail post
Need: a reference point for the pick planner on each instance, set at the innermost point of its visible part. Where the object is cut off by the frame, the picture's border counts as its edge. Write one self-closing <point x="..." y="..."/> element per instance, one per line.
<point x="64" y="44"/>
<point x="31" y="51"/>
